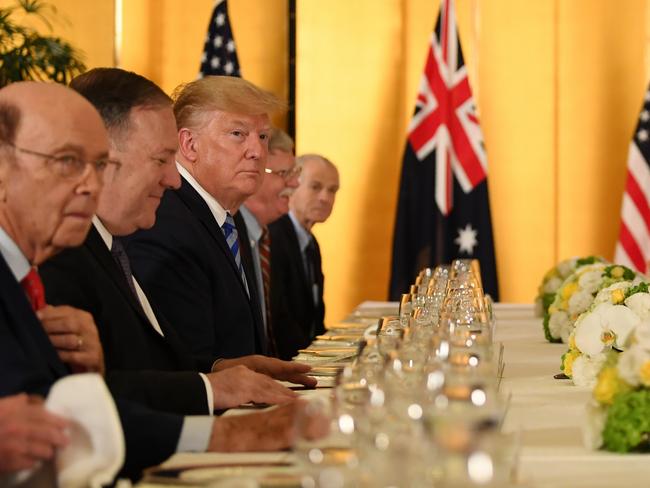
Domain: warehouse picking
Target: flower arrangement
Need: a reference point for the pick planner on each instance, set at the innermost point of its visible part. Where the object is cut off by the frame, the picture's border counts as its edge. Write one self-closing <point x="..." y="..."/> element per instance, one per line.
<point x="575" y="296"/>
<point x="618" y="416"/>
<point x="554" y="278"/>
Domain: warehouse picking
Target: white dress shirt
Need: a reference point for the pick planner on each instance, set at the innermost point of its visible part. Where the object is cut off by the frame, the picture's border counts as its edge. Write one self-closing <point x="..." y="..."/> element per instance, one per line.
<point x="195" y="434"/>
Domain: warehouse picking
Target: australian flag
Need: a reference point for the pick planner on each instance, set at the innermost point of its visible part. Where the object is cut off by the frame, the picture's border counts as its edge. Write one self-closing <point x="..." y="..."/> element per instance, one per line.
<point x="443" y="209"/>
<point x="219" y="55"/>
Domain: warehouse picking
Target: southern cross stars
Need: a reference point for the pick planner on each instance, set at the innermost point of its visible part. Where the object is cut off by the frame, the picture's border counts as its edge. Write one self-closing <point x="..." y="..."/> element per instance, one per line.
<point x="466" y="239"/>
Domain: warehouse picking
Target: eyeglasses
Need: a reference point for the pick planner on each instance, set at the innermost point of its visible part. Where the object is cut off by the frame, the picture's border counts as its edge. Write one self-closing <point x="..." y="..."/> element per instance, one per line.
<point x="70" y="166"/>
<point x="285" y="174"/>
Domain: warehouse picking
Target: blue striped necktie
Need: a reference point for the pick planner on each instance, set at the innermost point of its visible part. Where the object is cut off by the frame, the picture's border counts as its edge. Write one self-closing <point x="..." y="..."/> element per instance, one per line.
<point x="232" y="239"/>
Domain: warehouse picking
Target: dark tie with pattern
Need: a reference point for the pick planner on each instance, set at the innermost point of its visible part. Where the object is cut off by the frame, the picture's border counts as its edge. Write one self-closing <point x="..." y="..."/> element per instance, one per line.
<point x="34" y="290"/>
<point x="232" y="239"/>
<point x="122" y="260"/>
<point x="265" y="263"/>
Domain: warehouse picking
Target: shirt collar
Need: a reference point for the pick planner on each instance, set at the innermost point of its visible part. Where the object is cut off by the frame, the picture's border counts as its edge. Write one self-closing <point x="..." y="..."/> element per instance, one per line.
<point x="252" y="225"/>
<point x="215" y="207"/>
<point x="304" y="236"/>
<point x="13" y="256"/>
<point x="106" y="236"/>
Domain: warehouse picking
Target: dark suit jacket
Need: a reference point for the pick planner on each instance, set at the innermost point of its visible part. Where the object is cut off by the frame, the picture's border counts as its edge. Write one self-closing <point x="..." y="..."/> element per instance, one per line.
<point x="186" y="267"/>
<point x="140" y="363"/>
<point x="29" y="363"/>
<point x="292" y="304"/>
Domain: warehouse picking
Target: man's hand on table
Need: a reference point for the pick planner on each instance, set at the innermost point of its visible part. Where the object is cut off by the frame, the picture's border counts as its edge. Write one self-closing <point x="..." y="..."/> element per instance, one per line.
<point x="236" y="385"/>
<point x="271" y="430"/>
<point x="275" y="368"/>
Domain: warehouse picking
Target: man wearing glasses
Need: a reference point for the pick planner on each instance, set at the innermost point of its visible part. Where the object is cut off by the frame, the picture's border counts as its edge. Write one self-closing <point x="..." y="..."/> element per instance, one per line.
<point x="267" y="204"/>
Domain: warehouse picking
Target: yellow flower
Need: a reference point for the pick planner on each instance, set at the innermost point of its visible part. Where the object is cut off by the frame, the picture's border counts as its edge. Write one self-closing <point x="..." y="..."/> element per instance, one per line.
<point x="564" y="305"/>
<point x="617" y="296"/>
<point x="608" y="385"/>
<point x="569" y="289"/>
<point x="552" y="309"/>
<point x="572" y="342"/>
<point x="644" y="373"/>
<point x="617" y="272"/>
<point x="567" y="361"/>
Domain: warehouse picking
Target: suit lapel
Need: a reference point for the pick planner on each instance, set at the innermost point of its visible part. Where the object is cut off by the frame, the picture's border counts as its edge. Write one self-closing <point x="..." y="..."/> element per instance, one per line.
<point x="97" y="247"/>
<point x="297" y="256"/>
<point x="200" y="209"/>
<point x="25" y="323"/>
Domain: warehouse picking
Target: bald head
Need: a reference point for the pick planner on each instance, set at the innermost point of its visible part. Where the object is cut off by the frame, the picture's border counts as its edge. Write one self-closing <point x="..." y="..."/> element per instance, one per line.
<point x="47" y="195"/>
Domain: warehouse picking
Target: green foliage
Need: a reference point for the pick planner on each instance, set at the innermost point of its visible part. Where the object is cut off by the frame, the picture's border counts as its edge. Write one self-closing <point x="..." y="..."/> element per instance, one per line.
<point x="627" y="427"/>
<point x="640" y="288"/>
<point x="588" y="260"/>
<point x="547" y="331"/>
<point x="547" y="301"/>
<point x="628" y="274"/>
<point x="27" y="55"/>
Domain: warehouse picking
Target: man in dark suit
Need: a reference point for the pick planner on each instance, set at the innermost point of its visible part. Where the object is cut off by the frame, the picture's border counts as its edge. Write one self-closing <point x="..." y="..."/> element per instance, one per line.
<point x="144" y="358"/>
<point x="53" y="145"/>
<point x="297" y="305"/>
<point x="267" y="204"/>
<point x="190" y="261"/>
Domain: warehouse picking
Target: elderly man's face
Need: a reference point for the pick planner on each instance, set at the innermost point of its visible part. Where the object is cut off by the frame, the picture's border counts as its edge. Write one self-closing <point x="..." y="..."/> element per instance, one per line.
<point x="232" y="152"/>
<point x="271" y="201"/>
<point x="45" y="207"/>
<point x="146" y="150"/>
<point x="313" y="200"/>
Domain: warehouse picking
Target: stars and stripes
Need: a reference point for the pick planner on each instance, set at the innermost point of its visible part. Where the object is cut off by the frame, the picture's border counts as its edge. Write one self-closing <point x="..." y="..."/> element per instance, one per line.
<point x="633" y="247"/>
<point x="443" y="209"/>
<point x="219" y="54"/>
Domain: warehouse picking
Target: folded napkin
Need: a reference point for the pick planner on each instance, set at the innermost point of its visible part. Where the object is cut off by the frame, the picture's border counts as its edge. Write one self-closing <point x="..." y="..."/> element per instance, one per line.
<point x="96" y="449"/>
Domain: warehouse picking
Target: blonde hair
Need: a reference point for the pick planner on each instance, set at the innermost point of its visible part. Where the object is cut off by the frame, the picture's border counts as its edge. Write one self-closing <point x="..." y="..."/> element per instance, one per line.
<point x="225" y="93"/>
<point x="280" y="141"/>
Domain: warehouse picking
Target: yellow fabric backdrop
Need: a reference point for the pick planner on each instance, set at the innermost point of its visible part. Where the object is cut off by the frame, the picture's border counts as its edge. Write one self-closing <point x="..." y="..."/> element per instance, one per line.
<point x="559" y="86"/>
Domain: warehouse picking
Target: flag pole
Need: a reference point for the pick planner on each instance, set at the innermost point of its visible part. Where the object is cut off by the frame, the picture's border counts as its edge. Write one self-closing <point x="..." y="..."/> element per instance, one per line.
<point x="291" y="115"/>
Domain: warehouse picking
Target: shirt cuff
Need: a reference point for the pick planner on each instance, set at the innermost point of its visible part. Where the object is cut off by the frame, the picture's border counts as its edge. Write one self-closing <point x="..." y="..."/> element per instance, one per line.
<point x="209" y="392"/>
<point x="195" y="434"/>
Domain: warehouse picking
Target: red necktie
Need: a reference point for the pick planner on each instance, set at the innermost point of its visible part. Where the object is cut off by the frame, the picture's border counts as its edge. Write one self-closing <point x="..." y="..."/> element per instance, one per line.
<point x="265" y="261"/>
<point x="33" y="287"/>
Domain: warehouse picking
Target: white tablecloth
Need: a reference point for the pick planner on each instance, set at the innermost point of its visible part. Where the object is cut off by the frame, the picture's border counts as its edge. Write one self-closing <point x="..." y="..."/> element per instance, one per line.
<point x="548" y="412"/>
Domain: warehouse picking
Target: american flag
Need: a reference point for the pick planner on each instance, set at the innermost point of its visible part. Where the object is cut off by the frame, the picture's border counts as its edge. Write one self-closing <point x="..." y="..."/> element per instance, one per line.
<point x="443" y="209"/>
<point x="633" y="248"/>
<point x="219" y="55"/>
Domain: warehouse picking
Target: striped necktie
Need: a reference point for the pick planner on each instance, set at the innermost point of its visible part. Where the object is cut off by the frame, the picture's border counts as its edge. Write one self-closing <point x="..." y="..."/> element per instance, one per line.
<point x="265" y="262"/>
<point x="232" y="239"/>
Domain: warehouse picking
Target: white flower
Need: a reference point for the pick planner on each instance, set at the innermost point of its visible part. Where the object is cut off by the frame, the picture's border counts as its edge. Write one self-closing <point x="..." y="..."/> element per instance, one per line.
<point x="566" y="267"/>
<point x="557" y="321"/>
<point x="591" y="280"/>
<point x="585" y="369"/>
<point x="605" y="295"/>
<point x="631" y="363"/>
<point x="566" y="329"/>
<point x="639" y="303"/>
<point x="604" y="327"/>
<point x="552" y="285"/>
<point x="579" y="302"/>
<point x="641" y="335"/>
<point x="592" y="432"/>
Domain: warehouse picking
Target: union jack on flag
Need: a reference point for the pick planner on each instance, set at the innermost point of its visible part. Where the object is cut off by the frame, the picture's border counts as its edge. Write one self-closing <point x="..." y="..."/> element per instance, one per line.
<point x="633" y="248"/>
<point x="445" y="115"/>
<point x="443" y="208"/>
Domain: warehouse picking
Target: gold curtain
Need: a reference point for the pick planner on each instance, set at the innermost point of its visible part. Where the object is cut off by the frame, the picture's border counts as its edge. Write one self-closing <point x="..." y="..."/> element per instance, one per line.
<point x="559" y="84"/>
